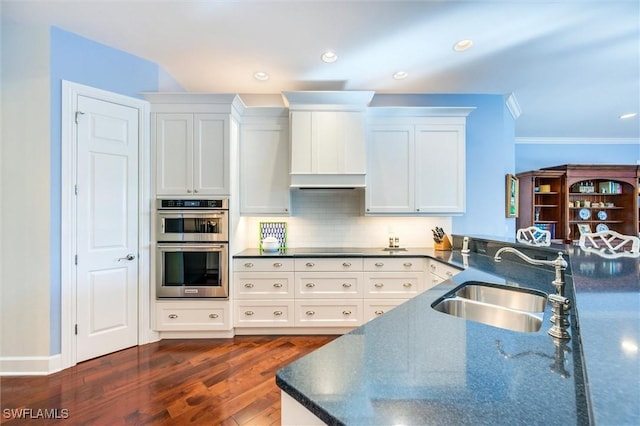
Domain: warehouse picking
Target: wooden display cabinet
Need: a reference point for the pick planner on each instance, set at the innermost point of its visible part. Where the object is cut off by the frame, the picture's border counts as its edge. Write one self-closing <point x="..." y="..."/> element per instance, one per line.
<point x="565" y="199"/>
<point x="542" y="195"/>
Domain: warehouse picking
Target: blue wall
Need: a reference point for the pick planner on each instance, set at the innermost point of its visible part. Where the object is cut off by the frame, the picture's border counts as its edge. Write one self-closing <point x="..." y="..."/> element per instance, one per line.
<point x="535" y="156"/>
<point x="77" y="59"/>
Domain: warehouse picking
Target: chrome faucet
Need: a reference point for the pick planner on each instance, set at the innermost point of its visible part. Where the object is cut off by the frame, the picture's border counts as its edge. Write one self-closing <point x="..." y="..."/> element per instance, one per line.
<point x="559" y="303"/>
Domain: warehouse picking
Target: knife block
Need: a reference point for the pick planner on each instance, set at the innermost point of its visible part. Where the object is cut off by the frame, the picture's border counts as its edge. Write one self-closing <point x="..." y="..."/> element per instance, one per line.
<point x="444" y="245"/>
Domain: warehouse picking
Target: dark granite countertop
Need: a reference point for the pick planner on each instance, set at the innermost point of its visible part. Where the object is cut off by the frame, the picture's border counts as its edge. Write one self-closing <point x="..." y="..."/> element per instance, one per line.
<point x="414" y="365"/>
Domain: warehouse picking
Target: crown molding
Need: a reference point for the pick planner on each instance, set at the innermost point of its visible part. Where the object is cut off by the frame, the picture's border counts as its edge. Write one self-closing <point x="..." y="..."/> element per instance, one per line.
<point x="513" y="106"/>
<point x="576" y="141"/>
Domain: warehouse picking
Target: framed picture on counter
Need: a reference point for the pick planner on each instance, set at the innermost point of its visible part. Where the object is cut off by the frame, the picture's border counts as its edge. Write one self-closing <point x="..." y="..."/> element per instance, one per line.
<point x="511" y="196"/>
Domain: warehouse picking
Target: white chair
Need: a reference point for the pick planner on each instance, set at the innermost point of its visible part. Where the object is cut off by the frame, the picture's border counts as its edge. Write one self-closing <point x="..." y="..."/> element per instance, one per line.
<point x="610" y="244"/>
<point x="534" y="236"/>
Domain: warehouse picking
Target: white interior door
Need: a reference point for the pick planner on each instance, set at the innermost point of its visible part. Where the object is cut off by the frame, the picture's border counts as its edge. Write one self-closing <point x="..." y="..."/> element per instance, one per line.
<point x="107" y="228"/>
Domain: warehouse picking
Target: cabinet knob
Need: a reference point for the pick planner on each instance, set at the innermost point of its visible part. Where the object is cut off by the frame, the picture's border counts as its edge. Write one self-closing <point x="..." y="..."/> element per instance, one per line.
<point x="310" y="285"/>
<point x="379" y="312"/>
<point x="248" y="265"/>
<point x="173" y="316"/>
<point x="277" y="265"/>
<point x="345" y="312"/>
<point x="408" y="264"/>
<point x="310" y="313"/>
<point x="213" y="316"/>
<point x="277" y="285"/>
<point x="346" y="264"/>
<point x="406" y="285"/>
<point x="249" y="285"/>
<point x="311" y="264"/>
<point x="277" y="313"/>
<point x="249" y="313"/>
<point x="379" y="264"/>
<point x="188" y="191"/>
<point x="378" y="285"/>
<point x="346" y="285"/>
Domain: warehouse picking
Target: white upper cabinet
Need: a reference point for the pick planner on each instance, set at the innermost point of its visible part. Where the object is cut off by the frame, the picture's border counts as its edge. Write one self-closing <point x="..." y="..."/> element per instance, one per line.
<point x="264" y="166"/>
<point x="191" y="143"/>
<point x="416" y="162"/>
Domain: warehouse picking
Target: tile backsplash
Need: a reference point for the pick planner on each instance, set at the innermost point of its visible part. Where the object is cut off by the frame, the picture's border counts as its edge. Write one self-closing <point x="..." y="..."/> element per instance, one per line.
<point x="335" y="218"/>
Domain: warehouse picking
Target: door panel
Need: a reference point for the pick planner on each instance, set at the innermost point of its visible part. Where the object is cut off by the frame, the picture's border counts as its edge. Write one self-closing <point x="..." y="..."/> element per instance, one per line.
<point x="107" y="228"/>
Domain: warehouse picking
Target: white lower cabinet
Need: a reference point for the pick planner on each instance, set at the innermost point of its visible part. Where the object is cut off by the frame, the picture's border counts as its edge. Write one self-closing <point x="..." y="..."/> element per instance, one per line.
<point x="306" y="293"/>
<point x="193" y="315"/>
<point x="439" y="272"/>
<point x="390" y="282"/>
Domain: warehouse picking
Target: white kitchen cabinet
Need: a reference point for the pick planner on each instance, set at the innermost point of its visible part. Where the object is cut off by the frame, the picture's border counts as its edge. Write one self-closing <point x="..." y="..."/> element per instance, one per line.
<point x="389" y="282"/>
<point x="263" y="292"/>
<point x="192" y="315"/>
<point x="440" y="272"/>
<point x="192" y="154"/>
<point x="416" y="164"/>
<point x="264" y="164"/>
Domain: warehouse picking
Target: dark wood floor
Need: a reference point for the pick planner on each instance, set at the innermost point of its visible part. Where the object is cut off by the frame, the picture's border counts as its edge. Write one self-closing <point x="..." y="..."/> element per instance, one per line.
<point x="172" y="382"/>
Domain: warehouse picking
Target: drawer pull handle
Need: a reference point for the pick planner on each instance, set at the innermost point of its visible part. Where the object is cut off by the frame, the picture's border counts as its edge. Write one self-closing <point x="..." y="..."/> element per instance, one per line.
<point x="449" y="273"/>
<point x="310" y="313"/>
<point x="407" y="285"/>
<point x="346" y="264"/>
<point x="277" y="265"/>
<point x="379" y="312"/>
<point x="277" y="285"/>
<point x="310" y="285"/>
<point x="277" y="313"/>
<point x="248" y="313"/>
<point x="213" y="316"/>
<point x="379" y="264"/>
<point x="378" y="285"/>
<point x="346" y="285"/>
<point x="346" y="312"/>
<point x="248" y="265"/>
<point x="408" y="264"/>
<point x="249" y="285"/>
<point x="173" y="316"/>
<point x="433" y="267"/>
<point x="311" y="264"/>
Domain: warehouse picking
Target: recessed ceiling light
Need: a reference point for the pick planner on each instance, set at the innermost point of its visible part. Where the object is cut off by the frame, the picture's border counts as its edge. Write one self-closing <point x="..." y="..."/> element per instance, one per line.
<point x="463" y="45"/>
<point x="261" y="76"/>
<point x="630" y="115"/>
<point x="329" y="56"/>
<point x="400" y="75"/>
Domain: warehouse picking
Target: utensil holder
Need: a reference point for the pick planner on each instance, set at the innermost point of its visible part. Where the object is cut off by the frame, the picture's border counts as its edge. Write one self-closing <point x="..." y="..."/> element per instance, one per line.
<point x="444" y="245"/>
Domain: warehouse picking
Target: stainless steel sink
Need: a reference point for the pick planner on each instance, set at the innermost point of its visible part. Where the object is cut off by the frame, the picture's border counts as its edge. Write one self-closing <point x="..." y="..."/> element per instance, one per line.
<point x="499" y="306"/>
<point x="507" y="297"/>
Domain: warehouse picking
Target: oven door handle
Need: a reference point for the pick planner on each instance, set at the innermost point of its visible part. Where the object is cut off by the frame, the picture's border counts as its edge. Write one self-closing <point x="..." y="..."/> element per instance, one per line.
<point x="188" y="246"/>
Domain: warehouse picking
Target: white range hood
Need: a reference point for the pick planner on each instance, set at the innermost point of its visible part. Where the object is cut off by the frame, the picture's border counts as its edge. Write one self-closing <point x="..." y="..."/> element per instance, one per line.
<point x="328" y="138"/>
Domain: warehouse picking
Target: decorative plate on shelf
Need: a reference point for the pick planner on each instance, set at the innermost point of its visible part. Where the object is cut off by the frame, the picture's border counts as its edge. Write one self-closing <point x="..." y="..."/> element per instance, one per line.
<point x="602" y="215"/>
<point x="601" y="227"/>
<point x="585" y="214"/>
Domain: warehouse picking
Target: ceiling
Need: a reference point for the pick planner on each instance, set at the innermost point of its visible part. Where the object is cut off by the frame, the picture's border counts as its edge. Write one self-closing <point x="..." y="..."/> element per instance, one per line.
<point x="573" y="65"/>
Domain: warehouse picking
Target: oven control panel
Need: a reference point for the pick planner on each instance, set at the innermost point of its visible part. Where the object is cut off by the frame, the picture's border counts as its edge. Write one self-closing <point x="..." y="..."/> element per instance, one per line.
<point x="193" y="204"/>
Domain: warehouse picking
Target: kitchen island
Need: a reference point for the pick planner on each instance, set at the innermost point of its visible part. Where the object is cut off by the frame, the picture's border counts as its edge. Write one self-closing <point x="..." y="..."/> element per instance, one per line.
<point x="414" y="365"/>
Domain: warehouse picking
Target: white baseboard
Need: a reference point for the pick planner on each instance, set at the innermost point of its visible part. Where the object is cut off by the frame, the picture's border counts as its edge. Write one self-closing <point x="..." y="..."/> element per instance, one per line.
<point x="30" y="365"/>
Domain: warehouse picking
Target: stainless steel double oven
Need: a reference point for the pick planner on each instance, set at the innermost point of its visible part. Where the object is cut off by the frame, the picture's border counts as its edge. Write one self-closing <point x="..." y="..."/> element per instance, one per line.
<point x="192" y="250"/>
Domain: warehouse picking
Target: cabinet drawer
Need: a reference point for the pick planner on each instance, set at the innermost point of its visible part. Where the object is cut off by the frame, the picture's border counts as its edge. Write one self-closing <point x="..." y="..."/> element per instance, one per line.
<point x="329" y="285"/>
<point x="328" y="313"/>
<point x="262" y="264"/>
<point x="264" y="313"/>
<point x="394" y="264"/>
<point x="329" y="264"/>
<point x="442" y="270"/>
<point x="373" y="308"/>
<point x="389" y="285"/>
<point x="257" y="285"/>
<point x="181" y="318"/>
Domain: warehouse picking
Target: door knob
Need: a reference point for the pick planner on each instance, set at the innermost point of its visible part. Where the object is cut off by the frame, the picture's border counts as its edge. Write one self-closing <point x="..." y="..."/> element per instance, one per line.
<point x="127" y="257"/>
